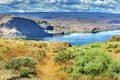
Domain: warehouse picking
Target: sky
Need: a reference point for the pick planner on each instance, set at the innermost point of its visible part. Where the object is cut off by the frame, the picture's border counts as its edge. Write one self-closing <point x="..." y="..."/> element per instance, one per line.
<point x="109" y="6"/>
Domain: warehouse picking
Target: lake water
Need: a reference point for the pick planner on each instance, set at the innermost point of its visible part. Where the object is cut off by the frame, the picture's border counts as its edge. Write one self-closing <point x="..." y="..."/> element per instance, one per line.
<point x="84" y="38"/>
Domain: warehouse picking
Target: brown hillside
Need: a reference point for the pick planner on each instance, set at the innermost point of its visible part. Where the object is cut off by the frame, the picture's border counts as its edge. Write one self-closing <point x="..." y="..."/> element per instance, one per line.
<point x="115" y="38"/>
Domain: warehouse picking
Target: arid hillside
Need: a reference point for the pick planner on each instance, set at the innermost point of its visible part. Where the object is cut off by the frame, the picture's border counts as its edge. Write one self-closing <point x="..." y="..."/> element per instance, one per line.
<point x="38" y="60"/>
<point x="115" y="38"/>
<point x="88" y="25"/>
<point x="33" y="60"/>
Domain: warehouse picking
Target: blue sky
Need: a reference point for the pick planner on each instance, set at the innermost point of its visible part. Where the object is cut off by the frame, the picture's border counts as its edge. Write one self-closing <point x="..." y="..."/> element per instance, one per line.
<point x="110" y="6"/>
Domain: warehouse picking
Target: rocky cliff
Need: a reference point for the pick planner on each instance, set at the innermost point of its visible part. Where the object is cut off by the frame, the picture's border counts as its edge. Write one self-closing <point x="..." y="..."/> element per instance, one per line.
<point x="26" y="27"/>
<point x="11" y="26"/>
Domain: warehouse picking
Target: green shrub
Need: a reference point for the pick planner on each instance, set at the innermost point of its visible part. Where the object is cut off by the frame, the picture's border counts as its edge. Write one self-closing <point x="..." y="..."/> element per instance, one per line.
<point x="20" y="46"/>
<point x="42" y="53"/>
<point x="24" y="72"/>
<point x="114" y="68"/>
<point x="86" y="47"/>
<point x="67" y="69"/>
<point x="61" y="57"/>
<point x="117" y="50"/>
<point x="95" y="45"/>
<point x="59" y="47"/>
<point x="109" y="50"/>
<point x="2" y="64"/>
<point x="4" y="49"/>
<point x="19" y="62"/>
<point x="42" y="45"/>
<point x="1" y="45"/>
<point x="66" y="55"/>
<point x="113" y="45"/>
<point x="91" y="62"/>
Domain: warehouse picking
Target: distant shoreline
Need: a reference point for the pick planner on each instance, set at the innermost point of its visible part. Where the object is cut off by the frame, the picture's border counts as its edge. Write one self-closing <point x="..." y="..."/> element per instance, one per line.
<point x="71" y="23"/>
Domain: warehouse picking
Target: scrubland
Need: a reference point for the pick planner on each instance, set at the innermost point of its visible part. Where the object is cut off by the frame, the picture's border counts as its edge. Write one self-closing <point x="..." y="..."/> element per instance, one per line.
<point x="39" y="60"/>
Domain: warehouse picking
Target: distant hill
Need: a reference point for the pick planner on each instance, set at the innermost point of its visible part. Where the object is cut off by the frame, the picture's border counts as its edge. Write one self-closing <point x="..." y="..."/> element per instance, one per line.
<point x="21" y="26"/>
<point x="12" y="26"/>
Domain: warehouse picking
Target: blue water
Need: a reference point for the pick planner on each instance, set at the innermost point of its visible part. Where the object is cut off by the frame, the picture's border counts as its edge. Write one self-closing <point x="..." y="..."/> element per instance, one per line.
<point x="83" y="38"/>
<point x="75" y="38"/>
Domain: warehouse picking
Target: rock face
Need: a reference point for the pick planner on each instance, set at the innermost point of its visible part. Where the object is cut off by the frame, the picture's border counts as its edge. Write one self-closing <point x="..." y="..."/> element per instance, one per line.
<point x="95" y="30"/>
<point x="30" y="28"/>
<point x="23" y="28"/>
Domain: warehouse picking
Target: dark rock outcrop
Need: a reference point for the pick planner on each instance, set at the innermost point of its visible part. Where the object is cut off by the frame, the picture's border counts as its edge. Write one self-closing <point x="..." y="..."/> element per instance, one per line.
<point x="24" y="27"/>
<point x="95" y="30"/>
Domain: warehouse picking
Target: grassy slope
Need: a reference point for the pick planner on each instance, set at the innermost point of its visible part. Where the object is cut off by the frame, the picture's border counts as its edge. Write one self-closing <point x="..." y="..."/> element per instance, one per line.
<point x="46" y="68"/>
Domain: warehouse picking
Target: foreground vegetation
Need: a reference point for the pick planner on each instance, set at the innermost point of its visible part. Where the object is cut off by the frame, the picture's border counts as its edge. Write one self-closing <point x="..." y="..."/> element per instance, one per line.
<point x="59" y="61"/>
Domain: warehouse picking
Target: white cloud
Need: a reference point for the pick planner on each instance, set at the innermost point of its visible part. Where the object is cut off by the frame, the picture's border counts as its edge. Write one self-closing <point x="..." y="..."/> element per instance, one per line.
<point x="99" y="2"/>
<point x="86" y="1"/>
<point x="20" y="10"/>
<point x="105" y="2"/>
<point x="60" y="5"/>
<point x="50" y="0"/>
<point x="5" y="1"/>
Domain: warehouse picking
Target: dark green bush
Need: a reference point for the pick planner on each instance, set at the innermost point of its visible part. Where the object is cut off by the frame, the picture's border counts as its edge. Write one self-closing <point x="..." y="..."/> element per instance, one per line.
<point x="117" y="50"/>
<point x="64" y="56"/>
<point x="109" y="50"/>
<point x="61" y="57"/>
<point x="19" y="62"/>
<point x="24" y="72"/>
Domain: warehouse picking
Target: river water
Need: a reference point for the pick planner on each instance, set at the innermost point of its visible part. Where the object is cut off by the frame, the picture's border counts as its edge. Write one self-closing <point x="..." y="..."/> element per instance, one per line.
<point x="75" y="38"/>
<point x="83" y="38"/>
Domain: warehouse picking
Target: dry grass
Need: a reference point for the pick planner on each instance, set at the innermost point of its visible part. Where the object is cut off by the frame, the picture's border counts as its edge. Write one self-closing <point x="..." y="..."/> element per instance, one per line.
<point x="46" y="68"/>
